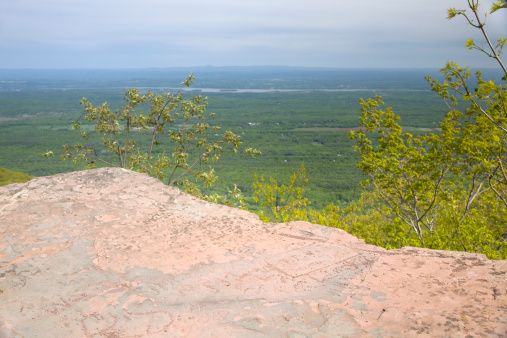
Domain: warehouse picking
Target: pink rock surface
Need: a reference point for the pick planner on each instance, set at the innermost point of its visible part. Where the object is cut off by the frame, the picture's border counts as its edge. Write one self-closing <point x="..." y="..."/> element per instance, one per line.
<point x="113" y="253"/>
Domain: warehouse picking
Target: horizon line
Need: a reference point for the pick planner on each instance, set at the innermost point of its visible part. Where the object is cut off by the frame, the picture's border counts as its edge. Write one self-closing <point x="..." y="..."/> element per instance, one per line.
<point x="220" y="67"/>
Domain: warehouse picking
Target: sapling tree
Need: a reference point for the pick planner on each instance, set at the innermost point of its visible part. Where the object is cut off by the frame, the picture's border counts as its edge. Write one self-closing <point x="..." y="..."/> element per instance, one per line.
<point x="164" y="135"/>
<point x="433" y="180"/>
<point x="407" y="175"/>
<point x="474" y="20"/>
<point x="488" y="101"/>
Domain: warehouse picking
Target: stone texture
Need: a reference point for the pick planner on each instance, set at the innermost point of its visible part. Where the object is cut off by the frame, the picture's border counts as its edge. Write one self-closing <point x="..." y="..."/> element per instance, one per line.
<point x="113" y="253"/>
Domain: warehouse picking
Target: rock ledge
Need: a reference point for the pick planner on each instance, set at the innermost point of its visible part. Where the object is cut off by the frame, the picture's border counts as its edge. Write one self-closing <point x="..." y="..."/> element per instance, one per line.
<point x="109" y="252"/>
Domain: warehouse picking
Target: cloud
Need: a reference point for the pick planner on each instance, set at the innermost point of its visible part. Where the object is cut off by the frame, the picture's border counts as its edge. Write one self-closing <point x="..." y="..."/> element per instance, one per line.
<point x="107" y="33"/>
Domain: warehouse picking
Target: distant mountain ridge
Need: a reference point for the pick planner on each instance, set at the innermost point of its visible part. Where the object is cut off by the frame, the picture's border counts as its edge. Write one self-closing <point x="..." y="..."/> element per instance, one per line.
<point x="255" y="77"/>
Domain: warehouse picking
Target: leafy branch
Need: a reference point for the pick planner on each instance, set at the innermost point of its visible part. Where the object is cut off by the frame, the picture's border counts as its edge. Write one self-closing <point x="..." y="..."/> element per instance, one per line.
<point x="170" y="120"/>
<point x="478" y="23"/>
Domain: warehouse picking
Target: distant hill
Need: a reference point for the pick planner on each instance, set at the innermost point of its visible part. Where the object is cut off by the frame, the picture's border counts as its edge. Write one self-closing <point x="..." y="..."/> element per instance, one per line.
<point x="10" y="176"/>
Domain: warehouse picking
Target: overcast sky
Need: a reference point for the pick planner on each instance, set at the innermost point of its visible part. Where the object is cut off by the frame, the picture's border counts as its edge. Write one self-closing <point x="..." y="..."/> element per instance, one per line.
<point x="171" y="33"/>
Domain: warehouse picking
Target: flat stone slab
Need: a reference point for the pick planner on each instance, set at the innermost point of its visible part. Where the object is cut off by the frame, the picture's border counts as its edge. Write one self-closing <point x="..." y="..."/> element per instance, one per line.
<point x="110" y="252"/>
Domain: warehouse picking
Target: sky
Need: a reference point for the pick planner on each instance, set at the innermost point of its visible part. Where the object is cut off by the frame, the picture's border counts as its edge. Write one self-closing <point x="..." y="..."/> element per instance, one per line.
<point x="185" y="33"/>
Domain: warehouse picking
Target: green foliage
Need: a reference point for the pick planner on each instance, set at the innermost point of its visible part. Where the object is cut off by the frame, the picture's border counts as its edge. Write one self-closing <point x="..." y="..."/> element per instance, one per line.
<point x="498" y="5"/>
<point x="172" y="119"/>
<point x="440" y="185"/>
<point x="408" y="172"/>
<point x="483" y="230"/>
<point x="10" y="176"/>
<point x="437" y="186"/>
<point x="477" y="135"/>
<point x="369" y="218"/>
<point x="283" y="202"/>
<point x="475" y="21"/>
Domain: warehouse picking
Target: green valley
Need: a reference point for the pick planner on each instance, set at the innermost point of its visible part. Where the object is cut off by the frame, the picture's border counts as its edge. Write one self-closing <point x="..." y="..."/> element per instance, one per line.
<point x="289" y="125"/>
